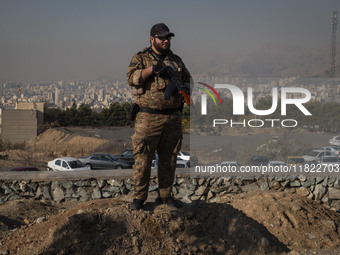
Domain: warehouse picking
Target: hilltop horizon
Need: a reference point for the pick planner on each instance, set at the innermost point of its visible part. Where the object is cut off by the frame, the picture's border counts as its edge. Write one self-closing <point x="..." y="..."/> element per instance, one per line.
<point x="271" y="60"/>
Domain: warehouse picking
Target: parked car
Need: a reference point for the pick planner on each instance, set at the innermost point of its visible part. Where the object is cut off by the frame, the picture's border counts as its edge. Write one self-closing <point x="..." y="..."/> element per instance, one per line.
<point x="4" y="157"/>
<point x="335" y="140"/>
<point x="329" y="160"/>
<point x="314" y="162"/>
<point x="229" y="163"/>
<point x="276" y="163"/>
<point x="186" y="156"/>
<point x="183" y="155"/>
<point x="335" y="150"/>
<point x="180" y="163"/>
<point x="259" y="160"/>
<point x="315" y="155"/>
<point x="126" y="156"/>
<point x="154" y="163"/>
<point x="295" y="161"/>
<point x="103" y="161"/>
<point x="23" y="169"/>
<point x="66" y="164"/>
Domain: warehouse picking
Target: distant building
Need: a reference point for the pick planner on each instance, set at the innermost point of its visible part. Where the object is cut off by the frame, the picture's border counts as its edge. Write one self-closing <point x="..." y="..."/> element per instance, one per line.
<point x="67" y="104"/>
<point x="57" y="96"/>
<point x="18" y="125"/>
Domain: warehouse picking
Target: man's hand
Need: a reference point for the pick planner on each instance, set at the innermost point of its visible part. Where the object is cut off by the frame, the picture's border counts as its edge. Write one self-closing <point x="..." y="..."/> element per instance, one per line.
<point x="159" y="69"/>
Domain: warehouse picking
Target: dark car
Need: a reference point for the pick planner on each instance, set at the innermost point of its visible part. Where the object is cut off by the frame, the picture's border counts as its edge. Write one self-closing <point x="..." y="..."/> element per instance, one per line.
<point x="23" y="169"/>
<point x="259" y="160"/>
<point x="103" y="161"/>
<point x="295" y="161"/>
<point x="3" y="156"/>
<point x="126" y="156"/>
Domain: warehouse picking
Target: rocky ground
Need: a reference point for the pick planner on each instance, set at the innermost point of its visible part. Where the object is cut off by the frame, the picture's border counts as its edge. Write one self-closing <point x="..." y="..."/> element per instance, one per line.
<point x="247" y="223"/>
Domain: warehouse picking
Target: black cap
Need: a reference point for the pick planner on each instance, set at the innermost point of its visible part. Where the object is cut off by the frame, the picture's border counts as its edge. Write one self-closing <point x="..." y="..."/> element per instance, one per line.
<point x="160" y="29"/>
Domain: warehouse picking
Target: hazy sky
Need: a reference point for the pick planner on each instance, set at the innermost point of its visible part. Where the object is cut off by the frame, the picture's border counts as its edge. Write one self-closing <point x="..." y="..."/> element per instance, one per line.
<point x="80" y="39"/>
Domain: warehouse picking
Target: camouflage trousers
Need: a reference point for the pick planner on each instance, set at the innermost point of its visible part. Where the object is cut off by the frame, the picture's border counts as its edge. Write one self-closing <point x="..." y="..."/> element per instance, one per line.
<point x="161" y="133"/>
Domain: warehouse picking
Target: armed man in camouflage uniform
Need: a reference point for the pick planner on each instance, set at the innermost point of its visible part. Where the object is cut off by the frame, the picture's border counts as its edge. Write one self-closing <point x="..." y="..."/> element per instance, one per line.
<point x="158" y="124"/>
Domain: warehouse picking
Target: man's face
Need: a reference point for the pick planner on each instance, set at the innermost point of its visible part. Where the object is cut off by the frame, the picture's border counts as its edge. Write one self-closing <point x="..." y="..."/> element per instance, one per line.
<point x="161" y="44"/>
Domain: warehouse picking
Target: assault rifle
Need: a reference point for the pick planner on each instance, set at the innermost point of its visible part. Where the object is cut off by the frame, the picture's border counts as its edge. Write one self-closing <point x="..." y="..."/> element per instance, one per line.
<point x="175" y="82"/>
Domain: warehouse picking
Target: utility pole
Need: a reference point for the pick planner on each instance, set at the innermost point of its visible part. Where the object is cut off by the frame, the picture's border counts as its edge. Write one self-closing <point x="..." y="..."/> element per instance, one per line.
<point x="332" y="52"/>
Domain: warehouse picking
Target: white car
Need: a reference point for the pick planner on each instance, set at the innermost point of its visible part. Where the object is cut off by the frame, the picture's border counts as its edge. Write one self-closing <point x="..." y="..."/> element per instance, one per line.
<point x="335" y="140"/>
<point x="179" y="163"/>
<point x="229" y="163"/>
<point x="335" y="150"/>
<point x="182" y="155"/>
<point x="330" y="160"/>
<point x="315" y="155"/>
<point x="66" y="164"/>
<point x="182" y="163"/>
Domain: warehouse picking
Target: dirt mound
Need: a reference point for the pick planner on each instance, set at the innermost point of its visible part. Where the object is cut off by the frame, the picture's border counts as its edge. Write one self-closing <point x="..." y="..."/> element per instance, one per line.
<point x="16" y="213"/>
<point x="253" y="223"/>
<point x="108" y="227"/>
<point x="296" y="221"/>
<point x="61" y="141"/>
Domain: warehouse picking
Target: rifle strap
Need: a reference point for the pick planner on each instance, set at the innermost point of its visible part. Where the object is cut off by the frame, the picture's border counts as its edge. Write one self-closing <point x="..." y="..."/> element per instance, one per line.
<point x="168" y="62"/>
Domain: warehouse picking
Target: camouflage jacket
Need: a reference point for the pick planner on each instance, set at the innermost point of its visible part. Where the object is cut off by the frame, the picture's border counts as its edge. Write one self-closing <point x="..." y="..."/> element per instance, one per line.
<point x="150" y="94"/>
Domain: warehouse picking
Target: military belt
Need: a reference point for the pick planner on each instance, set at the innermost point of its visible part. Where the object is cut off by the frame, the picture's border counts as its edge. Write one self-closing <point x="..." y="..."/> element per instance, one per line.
<point x="163" y="112"/>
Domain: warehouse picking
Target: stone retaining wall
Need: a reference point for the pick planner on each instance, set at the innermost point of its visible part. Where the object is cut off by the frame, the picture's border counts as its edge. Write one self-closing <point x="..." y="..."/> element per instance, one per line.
<point x="323" y="189"/>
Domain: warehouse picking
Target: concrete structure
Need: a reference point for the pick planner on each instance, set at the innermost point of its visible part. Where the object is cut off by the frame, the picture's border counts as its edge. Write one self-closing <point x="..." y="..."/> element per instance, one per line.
<point x="40" y="107"/>
<point x="18" y="125"/>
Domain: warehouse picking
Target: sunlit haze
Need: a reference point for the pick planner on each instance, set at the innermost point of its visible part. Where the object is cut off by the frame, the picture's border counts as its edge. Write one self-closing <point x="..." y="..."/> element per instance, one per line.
<point x="54" y="40"/>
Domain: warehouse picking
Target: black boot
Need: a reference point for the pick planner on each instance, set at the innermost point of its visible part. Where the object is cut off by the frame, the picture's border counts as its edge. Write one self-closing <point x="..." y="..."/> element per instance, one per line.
<point x="171" y="202"/>
<point x="158" y="200"/>
<point x="137" y="204"/>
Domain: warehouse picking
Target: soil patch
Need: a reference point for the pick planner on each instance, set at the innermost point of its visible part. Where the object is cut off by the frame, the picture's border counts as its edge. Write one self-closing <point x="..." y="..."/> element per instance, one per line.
<point x="252" y="223"/>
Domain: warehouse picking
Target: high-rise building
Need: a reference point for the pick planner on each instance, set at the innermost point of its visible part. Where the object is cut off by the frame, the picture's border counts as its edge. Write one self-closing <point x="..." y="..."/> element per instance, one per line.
<point x="57" y="97"/>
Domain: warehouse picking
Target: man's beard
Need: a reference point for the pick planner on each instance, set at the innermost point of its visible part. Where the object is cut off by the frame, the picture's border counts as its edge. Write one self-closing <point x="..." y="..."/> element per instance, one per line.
<point x="160" y="49"/>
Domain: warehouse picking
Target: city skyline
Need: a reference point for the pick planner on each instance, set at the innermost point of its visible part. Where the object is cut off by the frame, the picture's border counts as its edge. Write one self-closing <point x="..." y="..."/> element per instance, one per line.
<point x="46" y="40"/>
<point x="101" y="94"/>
